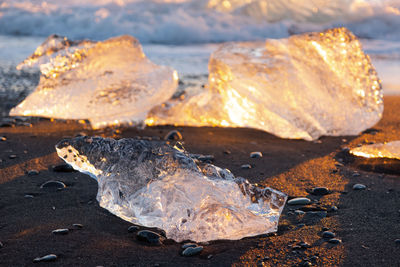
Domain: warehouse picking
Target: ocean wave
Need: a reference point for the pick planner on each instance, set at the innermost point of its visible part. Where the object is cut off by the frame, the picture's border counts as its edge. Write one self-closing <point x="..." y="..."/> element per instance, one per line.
<point x="197" y="21"/>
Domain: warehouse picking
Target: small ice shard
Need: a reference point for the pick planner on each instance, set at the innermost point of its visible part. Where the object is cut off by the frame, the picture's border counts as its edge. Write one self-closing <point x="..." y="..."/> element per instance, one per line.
<point x="110" y="82"/>
<point x="304" y="86"/>
<point x="390" y="150"/>
<point x="155" y="185"/>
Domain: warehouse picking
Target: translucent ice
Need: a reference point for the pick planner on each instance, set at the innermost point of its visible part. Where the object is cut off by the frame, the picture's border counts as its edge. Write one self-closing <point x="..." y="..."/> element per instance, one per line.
<point x="110" y="82"/>
<point x="155" y="185"/>
<point x="305" y="86"/>
<point x="390" y="150"/>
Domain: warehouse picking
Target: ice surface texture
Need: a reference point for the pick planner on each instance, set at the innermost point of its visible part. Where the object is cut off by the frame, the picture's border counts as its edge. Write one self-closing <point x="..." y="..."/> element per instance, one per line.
<point x="155" y="185"/>
<point x="390" y="150"/>
<point x="110" y="82"/>
<point x="305" y="86"/>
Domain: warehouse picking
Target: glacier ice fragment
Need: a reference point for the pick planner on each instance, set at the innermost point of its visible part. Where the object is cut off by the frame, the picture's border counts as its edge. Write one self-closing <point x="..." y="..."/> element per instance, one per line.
<point x="110" y="82"/>
<point x="155" y="185"/>
<point x="390" y="150"/>
<point x="304" y="86"/>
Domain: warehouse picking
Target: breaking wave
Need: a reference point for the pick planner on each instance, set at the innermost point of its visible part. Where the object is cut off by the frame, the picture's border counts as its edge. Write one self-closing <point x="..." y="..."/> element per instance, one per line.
<point x="198" y="21"/>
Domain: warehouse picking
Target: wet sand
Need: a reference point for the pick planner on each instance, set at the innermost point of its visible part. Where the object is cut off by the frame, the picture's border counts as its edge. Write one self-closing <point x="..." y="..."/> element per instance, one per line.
<point x="367" y="221"/>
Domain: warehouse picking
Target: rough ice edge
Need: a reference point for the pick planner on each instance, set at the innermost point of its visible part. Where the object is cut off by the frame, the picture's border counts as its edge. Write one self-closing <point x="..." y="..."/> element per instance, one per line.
<point x="390" y="150"/>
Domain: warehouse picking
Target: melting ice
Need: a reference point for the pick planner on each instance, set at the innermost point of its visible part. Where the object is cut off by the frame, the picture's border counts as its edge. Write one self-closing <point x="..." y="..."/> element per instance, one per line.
<point x="155" y="185"/>
<point x="304" y="86"/>
<point x="110" y="82"/>
<point x="390" y="150"/>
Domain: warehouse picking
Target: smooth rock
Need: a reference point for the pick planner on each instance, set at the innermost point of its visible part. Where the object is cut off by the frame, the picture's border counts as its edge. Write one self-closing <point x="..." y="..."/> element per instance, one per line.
<point x="53" y="184"/>
<point x="334" y="208"/>
<point x="304" y="244"/>
<point x="50" y="257"/>
<point x="78" y="225"/>
<point x="63" y="167"/>
<point x="299" y="212"/>
<point x="359" y="187"/>
<point x="173" y="135"/>
<point x="328" y="235"/>
<point x="356" y="174"/>
<point x="191" y="251"/>
<point x="1" y="245"/>
<point x="334" y="241"/>
<point x="29" y="196"/>
<point x="33" y="172"/>
<point x="188" y="245"/>
<point x="320" y="191"/>
<point x="397" y="241"/>
<point x="256" y="155"/>
<point x="149" y="237"/>
<point x="246" y="166"/>
<point x="13" y="156"/>
<point x="133" y="229"/>
<point x="60" y="231"/>
<point x="3" y="138"/>
<point x="299" y="201"/>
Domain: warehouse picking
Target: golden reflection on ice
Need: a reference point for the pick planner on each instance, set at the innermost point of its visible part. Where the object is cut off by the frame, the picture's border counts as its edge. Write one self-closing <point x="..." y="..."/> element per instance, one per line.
<point x="301" y="87"/>
<point x="390" y="150"/>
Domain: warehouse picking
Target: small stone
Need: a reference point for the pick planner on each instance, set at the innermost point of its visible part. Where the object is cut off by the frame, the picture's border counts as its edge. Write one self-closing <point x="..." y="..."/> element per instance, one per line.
<point x="33" y="172"/>
<point x="334" y="208"/>
<point x="64" y="167"/>
<point x="328" y="235"/>
<point x="28" y="196"/>
<point x="265" y="258"/>
<point x="256" y="155"/>
<point x="356" y="174"/>
<point x="397" y="241"/>
<point x="304" y="245"/>
<point x="149" y="237"/>
<point x="13" y="156"/>
<point x="227" y="152"/>
<point x="359" y="187"/>
<point x="60" y="231"/>
<point x="320" y="191"/>
<point x="206" y="158"/>
<point x="334" y="241"/>
<point x="325" y="229"/>
<point x="306" y="263"/>
<point x="133" y="229"/>
<point x="78" y="225"/>
<point x="188" y="245"/>
<point x="3" y="138"/>
<point x="299" y="212"/>
<point x="246" y="166"/>
<point x="191" y="251"/>
<point x="53" y="184"/>
<point x="210" y="256"/>
<point x="299" y="201"/>
<point x="173" y="135"/>
<point x="50" y="257"/>
<point x="1" y="245"/>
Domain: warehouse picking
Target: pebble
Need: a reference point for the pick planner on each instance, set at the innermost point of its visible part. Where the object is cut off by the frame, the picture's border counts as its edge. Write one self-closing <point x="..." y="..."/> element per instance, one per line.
<point x="304" y="245"/>
<point x="13" y="156"/>
<point x="3" y="138"/>
<point x="191" y="251"/>
<point x="334" y="241"/>
<point x="299" y="212"/>
<point x="188" y="245"/>
<point x="78" y="225"/>
<point x="28" y="196"/>
<point x="328" y="235"/>
<point x="149" y="237"/>
<point x="1" y="245"/>
<point x="33" y="172"/>
<point x="320" y="191"/>
<point x="356" y="174"/>
<point x="397" y="241"/>
<point x="334" y="208"/>
<point x="173" y="135"/>
<point x="64" y="167"/>
<point x="50" y="257"/>
<point x="133" y="229"/>
<point x="210" y="256"/>
<point x="60" y="231"/>
<point x="256" y="155"/>
<point x="227" y="152"/>
<point x="359" y="187"/>
<point x="53" y="184"/>
<point x="246" y="166"/>
<point x="299" y="201"/>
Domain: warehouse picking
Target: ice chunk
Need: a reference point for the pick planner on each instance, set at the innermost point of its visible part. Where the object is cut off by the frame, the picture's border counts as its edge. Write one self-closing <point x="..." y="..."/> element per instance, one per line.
<point x="390" y="150"/>
<point x="109" y="82"/>
<point x="155" y="185"/>
<point x="305" y="86"/>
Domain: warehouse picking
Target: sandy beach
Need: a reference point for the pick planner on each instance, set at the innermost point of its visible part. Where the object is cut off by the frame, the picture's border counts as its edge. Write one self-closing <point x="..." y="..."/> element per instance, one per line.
<point x="366" y="221"/>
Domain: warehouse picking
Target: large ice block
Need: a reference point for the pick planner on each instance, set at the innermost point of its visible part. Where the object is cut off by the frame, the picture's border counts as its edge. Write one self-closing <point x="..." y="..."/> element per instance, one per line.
<point x="156" y="185"/>
<point x="304" y="86"/>
<point x="110" y="82"/>
<point x="390" y="150"/>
